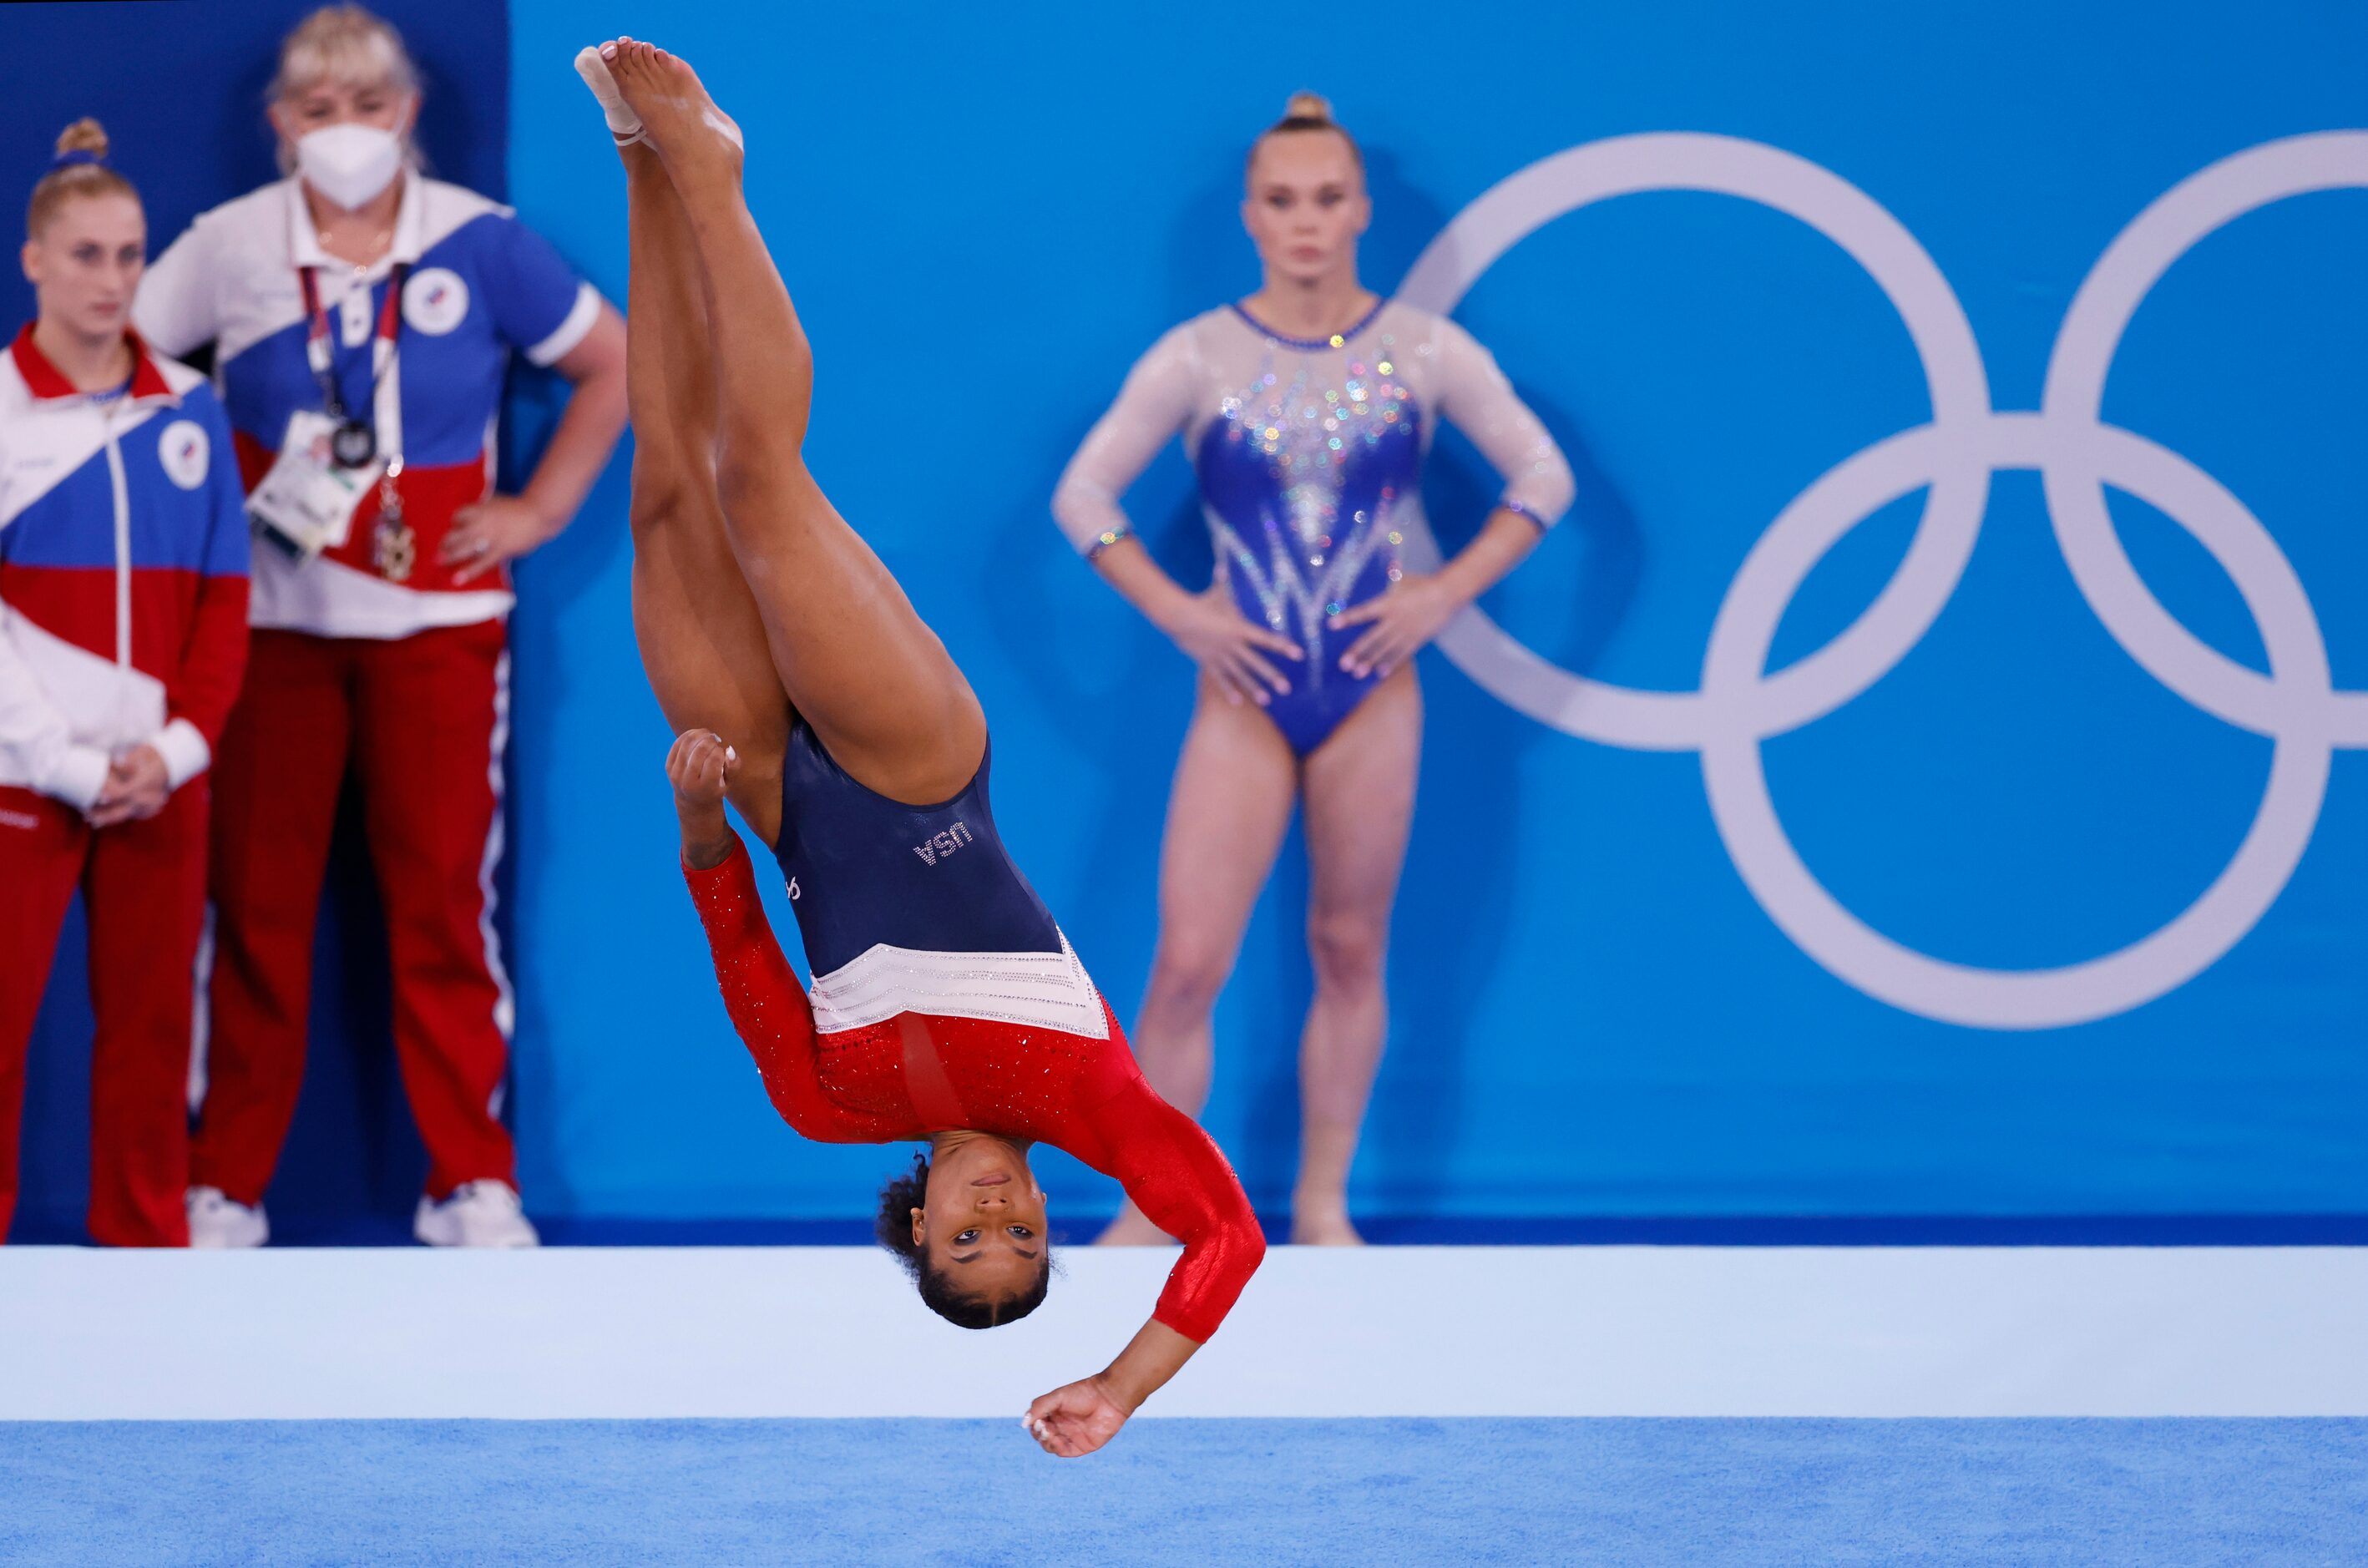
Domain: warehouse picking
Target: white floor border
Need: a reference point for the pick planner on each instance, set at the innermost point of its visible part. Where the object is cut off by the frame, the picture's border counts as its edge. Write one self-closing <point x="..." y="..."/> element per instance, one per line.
<point x="1400" y="1331"/>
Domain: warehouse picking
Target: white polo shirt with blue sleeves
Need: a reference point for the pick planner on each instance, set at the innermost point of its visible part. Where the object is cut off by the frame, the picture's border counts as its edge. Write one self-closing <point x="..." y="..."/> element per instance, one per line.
<point x="477" y="286"/>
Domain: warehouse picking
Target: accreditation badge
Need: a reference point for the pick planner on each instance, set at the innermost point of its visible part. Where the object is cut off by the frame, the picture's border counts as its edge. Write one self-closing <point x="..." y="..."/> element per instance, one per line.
<point x="306" y="503"/>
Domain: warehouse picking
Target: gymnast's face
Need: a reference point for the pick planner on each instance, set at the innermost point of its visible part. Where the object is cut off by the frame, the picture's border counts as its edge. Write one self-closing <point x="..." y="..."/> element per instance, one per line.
<point x="983" y="1220"/>
<point x="86" y="263"/>
<point x="1306" y="205"/>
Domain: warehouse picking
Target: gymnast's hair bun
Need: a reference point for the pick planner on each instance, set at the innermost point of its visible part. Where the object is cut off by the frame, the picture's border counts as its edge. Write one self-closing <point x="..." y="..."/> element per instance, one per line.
<point x="81" y="170"/>
<point x="88" y="135"/>
<point x="1307" y="112"/>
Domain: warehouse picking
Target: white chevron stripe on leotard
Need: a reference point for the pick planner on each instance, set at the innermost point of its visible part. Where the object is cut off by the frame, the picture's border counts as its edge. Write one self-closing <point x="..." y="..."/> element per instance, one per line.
<point x="1047" y="989"/>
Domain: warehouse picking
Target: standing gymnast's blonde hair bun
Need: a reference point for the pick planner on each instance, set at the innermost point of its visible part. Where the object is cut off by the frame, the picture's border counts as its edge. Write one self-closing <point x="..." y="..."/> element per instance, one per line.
<point x="1305" y="113"/>
<point x="84" y="135"/>
<point x="84" y="141"/>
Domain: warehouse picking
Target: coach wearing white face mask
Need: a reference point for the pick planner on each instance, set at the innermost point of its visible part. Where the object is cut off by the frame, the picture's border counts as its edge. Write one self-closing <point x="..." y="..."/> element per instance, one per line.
<point x="363" y="316"/>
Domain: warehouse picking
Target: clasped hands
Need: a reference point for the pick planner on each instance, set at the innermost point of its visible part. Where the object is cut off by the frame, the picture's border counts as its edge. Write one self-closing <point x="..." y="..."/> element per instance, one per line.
<point x="137" y="787"/>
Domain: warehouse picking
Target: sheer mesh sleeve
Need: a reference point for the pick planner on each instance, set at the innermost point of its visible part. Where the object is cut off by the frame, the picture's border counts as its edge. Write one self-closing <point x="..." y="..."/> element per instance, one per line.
<point x="1182" y="1183"/>
<point x="1475" y="393"/>
<point x="1153" y="404"/>
<point x="768" y="1007"/>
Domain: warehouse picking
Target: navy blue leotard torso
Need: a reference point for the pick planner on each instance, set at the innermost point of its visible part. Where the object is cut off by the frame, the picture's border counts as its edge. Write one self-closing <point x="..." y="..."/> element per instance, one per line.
<point x="865" y="870"/>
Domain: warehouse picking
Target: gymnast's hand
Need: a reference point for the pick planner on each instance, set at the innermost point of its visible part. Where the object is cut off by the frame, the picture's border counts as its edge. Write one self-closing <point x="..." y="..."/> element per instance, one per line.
<point x="137" y="787"/>
<point x="1216" y="636"/>
<point x="1077" y="1419"/>
<point x="1416" y="609"/>
<point x="1083" y="1417"/>
<point x="488" y="535"/>
<point x="700" y="766"/>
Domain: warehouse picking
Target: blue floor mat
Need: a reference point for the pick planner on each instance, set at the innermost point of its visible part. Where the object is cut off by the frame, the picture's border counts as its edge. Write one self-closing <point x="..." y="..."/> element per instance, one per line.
<point x="1207" y="1494"/>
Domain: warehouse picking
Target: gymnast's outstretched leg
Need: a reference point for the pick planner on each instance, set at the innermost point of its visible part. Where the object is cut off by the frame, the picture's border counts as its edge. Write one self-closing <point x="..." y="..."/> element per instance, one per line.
<point x="855" y="659"/>
<point x="702" y="638"/>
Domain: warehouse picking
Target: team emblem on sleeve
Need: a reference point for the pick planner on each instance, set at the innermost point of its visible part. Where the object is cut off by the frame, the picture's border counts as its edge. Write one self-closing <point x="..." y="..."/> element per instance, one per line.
<point x="184" y="451"/>
<point x="435" y="301"/>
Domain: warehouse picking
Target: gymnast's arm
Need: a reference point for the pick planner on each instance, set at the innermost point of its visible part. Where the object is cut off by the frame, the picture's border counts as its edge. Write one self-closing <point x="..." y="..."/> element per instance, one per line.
<point x="1155" y="401"/>
<point x="1471" y="392"/>
<point x="1178" y="1179"/>
<point x="768" y="1007"/>
<point x="1475" y="393"/>
<point x="1151" y="406"/>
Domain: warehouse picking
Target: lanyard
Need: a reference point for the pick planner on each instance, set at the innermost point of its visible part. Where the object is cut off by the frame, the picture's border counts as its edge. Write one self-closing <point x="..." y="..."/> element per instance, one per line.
<point x="321" y="356"/>
<point x="381" y="434"/>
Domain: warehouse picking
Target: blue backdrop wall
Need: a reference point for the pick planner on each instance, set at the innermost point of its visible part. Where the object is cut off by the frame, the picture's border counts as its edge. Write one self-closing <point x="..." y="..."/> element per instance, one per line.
<point x="986" y="215"/>
<point x="2005" y="894"/>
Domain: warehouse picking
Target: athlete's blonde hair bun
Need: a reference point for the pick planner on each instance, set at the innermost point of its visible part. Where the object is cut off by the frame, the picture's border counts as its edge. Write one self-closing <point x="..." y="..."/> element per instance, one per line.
<point x="1307" y="112"/>
<point x="84" y="135"/>
<point x="81" y="171"/>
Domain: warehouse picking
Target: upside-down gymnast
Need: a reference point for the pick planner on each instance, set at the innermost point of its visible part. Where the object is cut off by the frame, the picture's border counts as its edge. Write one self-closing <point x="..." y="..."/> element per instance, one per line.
<point x="809" y="695"/>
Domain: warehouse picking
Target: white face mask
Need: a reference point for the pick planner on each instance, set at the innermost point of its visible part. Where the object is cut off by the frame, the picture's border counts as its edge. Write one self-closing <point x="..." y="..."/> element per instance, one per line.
<point x="349" y="164"/>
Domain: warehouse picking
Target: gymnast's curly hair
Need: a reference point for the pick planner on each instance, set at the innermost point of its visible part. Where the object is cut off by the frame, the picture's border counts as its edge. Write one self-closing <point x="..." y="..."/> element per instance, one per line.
<point x="894" y="1228"/>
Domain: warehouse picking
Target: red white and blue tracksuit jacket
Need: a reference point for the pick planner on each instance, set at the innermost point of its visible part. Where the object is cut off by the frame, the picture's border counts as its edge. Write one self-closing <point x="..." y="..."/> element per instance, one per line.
<point x="123" y="574"/>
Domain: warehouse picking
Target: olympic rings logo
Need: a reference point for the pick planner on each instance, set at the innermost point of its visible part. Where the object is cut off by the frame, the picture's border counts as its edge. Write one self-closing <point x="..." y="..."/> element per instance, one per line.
<point x="1739" y="704"/>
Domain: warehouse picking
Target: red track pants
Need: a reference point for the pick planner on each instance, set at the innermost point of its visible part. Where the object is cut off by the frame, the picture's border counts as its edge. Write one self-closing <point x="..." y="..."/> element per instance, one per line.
<point x="144" y="886"/>
<point x="421" y="721"/>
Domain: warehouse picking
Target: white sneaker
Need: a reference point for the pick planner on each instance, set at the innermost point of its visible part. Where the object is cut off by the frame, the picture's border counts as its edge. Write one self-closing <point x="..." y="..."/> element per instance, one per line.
<point x="478" y="1214"/>
<point x="219" y="1222"/>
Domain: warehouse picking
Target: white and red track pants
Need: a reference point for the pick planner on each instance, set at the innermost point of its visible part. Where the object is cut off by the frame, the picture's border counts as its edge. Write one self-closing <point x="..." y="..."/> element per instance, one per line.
<point x="420" y="722"/>
<point x="144" y="886"/>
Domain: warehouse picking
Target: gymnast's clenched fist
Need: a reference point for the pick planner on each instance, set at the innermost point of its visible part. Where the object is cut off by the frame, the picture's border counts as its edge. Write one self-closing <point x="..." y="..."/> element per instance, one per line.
<point x="699" y="766"/>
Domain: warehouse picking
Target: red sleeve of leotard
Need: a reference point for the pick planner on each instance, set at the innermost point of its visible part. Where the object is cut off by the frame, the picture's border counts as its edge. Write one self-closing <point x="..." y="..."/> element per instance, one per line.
<point x="768" y="1007"/>
<point x="1179" y="1178"/>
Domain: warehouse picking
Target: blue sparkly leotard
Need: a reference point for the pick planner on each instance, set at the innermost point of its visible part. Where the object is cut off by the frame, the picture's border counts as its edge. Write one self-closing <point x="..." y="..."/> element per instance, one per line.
<point x="1310" y="457"/>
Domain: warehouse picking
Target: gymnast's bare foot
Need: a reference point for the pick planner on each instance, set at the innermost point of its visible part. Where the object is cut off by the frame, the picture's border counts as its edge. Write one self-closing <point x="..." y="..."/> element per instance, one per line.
<point x="623" y="123"/>
<point x="698" y="143"/>
<point x="1132" y="1230"/>
<point x="1321" y="1226"/>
